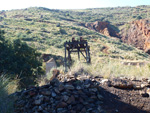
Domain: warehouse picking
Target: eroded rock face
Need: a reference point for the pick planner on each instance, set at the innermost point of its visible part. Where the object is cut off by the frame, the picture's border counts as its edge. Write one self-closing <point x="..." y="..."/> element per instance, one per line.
<point x="138" y="34"/>
<point x="102" y="27"/>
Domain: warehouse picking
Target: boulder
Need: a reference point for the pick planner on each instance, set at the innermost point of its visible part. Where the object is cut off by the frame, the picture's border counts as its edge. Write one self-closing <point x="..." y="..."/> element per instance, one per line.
<point x="121" y="83"/>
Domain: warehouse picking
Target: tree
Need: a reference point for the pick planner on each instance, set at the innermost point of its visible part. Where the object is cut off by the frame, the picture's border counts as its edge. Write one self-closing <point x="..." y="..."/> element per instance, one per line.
<point x="19" y="59"/>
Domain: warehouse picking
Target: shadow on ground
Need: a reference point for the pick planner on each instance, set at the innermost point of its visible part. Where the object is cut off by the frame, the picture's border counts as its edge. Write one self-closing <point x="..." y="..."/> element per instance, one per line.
<point x="112" y="104"/>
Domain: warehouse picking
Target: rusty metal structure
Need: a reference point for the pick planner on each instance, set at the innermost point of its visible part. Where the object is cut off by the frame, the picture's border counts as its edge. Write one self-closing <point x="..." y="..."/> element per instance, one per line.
<point x="79" y="46"/>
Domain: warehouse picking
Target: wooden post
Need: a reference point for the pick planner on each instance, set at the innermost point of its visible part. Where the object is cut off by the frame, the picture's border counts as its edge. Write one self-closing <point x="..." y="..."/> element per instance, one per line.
<point x="86" y="50"/>
<point x="79" y="53"/>
<point x="69" y="56"/>
<point x="65" y="59"/>
<point x="89" y="55"/>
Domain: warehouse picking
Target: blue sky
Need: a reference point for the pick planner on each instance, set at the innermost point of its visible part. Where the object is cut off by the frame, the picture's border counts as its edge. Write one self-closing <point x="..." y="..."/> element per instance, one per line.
<point x="69" y="4"/>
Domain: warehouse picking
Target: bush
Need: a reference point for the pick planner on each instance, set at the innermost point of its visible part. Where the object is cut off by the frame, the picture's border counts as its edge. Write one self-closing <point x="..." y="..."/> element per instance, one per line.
<point x="19" y="59"/>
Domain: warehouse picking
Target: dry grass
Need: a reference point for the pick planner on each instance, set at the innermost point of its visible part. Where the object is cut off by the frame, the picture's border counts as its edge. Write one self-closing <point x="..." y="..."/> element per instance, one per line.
<point x="45" y="79"/>
<point x="7" y="87"/>
<point x="108" y="68"/>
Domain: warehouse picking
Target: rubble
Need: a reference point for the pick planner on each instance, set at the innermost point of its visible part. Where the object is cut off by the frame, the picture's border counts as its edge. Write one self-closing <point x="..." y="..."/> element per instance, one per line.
<point x="61" y="97"/>
<point x="70" y="93"/>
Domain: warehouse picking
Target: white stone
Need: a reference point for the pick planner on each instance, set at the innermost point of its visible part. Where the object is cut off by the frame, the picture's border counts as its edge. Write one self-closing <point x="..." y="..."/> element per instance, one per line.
<point x="50" y="64"/>
<point x="104" y="80"/>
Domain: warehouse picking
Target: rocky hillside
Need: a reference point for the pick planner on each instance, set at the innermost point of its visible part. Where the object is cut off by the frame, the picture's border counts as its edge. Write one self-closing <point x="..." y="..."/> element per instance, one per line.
<point x="48" y="29"/>
<point x="72" y="93"/>
<point x="103" y="27"/>
<point x="138" y="34"/>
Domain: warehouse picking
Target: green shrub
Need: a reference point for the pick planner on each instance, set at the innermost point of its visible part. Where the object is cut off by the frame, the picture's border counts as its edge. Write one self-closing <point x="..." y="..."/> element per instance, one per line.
<point x="19" y="59"/>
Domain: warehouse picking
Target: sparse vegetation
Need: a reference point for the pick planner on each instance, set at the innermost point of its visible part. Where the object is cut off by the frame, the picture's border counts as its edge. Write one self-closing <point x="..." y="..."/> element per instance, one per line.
<point x="46" y="30"/>
<point x="7" y="87"/>
<point x="109" y="68"/>
<point x="17" y="58"/>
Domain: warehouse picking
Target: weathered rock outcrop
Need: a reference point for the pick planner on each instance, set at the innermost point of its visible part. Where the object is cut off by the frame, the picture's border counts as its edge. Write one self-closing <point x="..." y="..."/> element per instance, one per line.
<point x="102" y="27"/>
<point x="138" y="34"/>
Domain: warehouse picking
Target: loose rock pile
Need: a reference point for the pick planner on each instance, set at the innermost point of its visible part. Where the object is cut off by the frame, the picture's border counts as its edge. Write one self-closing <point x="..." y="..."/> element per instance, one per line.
<point x="122" y="83"/>
<point x="71" y="93"/>
<point x="70" y="96"/>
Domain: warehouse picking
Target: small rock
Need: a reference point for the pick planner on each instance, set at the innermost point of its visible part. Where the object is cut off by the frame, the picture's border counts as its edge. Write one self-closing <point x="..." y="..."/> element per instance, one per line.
<point x="79" y="107"/>
<point x="46" y="98"/>
<point x="20" y="103"/>
<point x="117" y="110"/>
<point x="93" y="97"/>
<point x="40" y="108"/>
<point x="69" y="87"/>
<point x="99" y="108"/>
<point x="38" y="102"/>
<point x="143" y="85"/>
<point x="93" y="89"/>
<point x="144" y="79"/>
<point x="83" y="110"/>
<point x="136" y="87"/>
<point x="72" y="111"/>
<point x="61" y="87"/>
<point x="56" y="90"/>
<point x="71" y="100"/>
<point x="56" y="72"/>
<point x="104" y="80"/>
<point x="53" y="94"/>
<point x="61" y="105"/>
<point x="122" y="84"/>
<point x="44" y="111"/>
<point x="59" y="110"/>
<point x="87" y="85"/>
<point x="78" y="88"/>
<point x="133" y="78"/>
<point x="35" y="108"/>
<point x="148" y="91"/>
<point x="65" y="98"/>
<point x="148" y="81"/>
<point x="32" y="93"/>
<point x="46" y="93"/>
<point x="144" y="94"/>
<point x="100" y="97"/>
<point x="81" y="100"/>
<point x="89" y="109"/>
